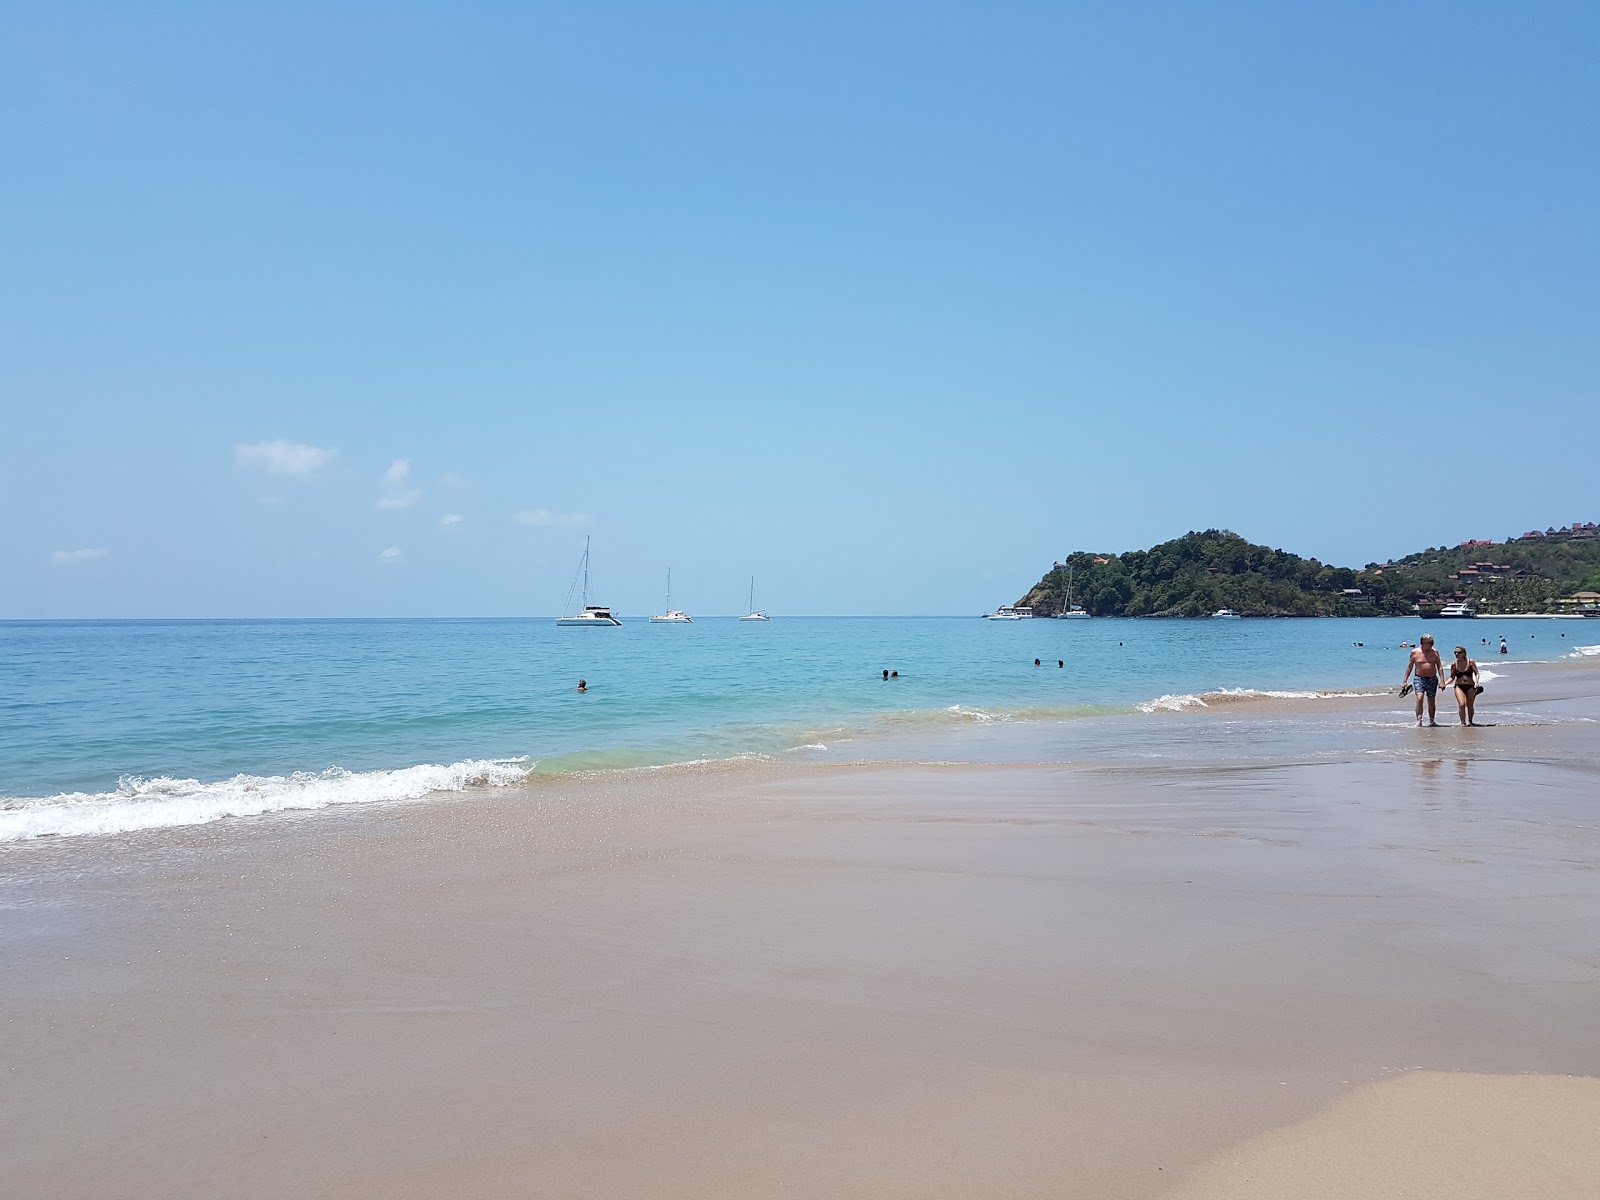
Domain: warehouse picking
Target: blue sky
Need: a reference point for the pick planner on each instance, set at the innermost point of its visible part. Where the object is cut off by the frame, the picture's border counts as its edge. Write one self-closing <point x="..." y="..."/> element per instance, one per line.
<point x="352" y="309"/>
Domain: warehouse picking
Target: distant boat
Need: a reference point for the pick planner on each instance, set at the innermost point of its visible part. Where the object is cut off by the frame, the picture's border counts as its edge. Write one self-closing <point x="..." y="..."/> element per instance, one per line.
<point x="674" y="615"/>
<point x="1225" y="614"/>
<point x="1010" y="612"/>
<point x="1457" y="610"/>
<point x="755" y="614"/>
<point x="592" y="614"/>
<point x="1072" y="612"/>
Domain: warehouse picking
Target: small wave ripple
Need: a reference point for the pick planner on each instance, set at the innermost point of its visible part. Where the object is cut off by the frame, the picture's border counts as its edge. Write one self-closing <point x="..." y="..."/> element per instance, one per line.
<point x="1585" y="652"/>
<point x="166" y="803"/>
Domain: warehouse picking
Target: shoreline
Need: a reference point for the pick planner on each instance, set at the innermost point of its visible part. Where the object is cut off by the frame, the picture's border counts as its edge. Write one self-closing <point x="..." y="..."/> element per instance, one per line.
<point x="911" y="735"/>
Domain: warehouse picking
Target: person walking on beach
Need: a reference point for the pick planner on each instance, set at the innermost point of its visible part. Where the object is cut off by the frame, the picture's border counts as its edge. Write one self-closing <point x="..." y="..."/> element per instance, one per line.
<point x="1424" y="660"/>
<point x="1464" y="676"/>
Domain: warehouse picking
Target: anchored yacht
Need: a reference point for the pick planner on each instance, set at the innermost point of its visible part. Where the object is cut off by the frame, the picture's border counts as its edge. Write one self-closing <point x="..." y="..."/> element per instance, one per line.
<point x="592" y="614"/>
<point x="755" y="614"/>
<point x="1072" y="612"/>
<point x="675" y="616"/>
<point x="1010" y="612"/>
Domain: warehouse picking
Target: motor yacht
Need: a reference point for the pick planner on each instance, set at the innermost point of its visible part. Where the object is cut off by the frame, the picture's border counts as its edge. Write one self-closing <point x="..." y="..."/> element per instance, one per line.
<point x="1010" y="612"/>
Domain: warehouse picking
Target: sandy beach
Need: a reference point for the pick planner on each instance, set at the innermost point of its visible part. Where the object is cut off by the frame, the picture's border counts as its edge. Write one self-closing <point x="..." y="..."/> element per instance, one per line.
<point x="1229" y="972"/>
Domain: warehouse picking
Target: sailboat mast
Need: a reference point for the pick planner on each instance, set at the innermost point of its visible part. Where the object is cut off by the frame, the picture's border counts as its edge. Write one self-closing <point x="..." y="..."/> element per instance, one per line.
<point x="586" y="572"/>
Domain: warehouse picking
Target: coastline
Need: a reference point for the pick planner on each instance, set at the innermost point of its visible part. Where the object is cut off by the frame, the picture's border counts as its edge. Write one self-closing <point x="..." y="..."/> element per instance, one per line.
<point x="190" y="767"/>
<point x="1010" y="972"/>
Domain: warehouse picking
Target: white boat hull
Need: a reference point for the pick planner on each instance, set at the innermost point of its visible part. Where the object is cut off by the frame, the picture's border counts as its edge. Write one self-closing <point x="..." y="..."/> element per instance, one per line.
<point x="672" y="618"/>
<point x="756" y="616"/>
<point x="586" y="622"/>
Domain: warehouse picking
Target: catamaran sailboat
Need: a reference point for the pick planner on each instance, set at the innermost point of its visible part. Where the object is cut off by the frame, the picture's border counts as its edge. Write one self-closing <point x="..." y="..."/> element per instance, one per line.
<point x="1072" y="612"/>
<point x="675" y="615"/>
<point x="755" y="614"/>
<point x="592" y="614"/>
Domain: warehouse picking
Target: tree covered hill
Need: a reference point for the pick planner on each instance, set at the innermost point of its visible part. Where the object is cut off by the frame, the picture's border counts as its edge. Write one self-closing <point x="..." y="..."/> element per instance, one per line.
<point x="1198" y="573"/>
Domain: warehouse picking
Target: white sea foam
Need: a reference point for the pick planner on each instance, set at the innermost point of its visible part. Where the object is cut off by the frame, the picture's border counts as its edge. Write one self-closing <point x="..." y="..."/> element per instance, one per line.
<point x="1171" y="703"/>
<point x="164" y="802"/>
<point x="1278" y="695"/>
<point x="1484" y="675"/>
<point x="1177" y="703"/>
<point x="1584" y="652"/>
<point x="970" y="714"/>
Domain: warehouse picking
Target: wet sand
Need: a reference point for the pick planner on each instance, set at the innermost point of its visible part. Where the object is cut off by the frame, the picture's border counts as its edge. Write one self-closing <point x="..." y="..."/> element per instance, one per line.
<point x="1120" y="978"/>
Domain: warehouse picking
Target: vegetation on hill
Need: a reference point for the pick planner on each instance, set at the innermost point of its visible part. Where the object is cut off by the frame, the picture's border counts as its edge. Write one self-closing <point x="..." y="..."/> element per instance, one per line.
<point x="1198" y="573"/>
<point x="1519" y="575"/>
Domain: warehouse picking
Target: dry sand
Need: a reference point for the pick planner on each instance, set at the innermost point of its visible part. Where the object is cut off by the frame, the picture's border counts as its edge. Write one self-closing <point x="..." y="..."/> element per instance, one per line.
<point x="848" y="981"/>
<point x="1425" y="1136"/>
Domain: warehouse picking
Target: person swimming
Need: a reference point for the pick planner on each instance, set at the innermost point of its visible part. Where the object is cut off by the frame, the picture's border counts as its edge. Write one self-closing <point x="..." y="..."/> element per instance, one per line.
<point x="583" y="685"/>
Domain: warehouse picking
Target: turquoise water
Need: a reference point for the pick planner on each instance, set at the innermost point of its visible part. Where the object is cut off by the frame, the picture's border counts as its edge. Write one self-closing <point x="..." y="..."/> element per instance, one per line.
<point x="107" y="726"/>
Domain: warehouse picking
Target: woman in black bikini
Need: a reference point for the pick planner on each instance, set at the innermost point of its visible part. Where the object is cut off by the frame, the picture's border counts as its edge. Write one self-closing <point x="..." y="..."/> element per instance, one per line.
<point x="1464" y="678"/>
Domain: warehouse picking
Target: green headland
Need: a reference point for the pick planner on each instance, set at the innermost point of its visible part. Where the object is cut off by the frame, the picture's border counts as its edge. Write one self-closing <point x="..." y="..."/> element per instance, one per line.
<point x="1199" y="573"/>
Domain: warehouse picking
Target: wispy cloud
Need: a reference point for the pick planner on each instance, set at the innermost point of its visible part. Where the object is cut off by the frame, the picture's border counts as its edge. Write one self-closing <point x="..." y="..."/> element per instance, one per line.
<point x="392" y="554"/>
<point x="72" y="558"/>
<point x="451" y="520"/>
<point x="283" y="457"/>
<point x="396" y="494"/>
<point x="545" y="518"/>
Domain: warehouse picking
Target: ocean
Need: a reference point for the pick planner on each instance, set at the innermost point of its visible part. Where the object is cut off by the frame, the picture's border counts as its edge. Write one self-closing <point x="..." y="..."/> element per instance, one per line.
<point x="114" y="726"/>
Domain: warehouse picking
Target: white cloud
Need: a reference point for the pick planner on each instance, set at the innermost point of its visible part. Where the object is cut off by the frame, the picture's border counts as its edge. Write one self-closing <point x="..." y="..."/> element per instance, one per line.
<point x="282" y="457"/>
<point x="451" y="519"/>
<point x="396" y="494"/>
<point x="392" y="554"/>
<point x="71" y="558"/>
<point x="545" y="518"/>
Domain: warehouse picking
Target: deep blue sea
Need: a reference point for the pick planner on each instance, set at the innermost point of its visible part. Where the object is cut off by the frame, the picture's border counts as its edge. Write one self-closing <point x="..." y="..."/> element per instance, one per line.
<point x="108" y="726"/>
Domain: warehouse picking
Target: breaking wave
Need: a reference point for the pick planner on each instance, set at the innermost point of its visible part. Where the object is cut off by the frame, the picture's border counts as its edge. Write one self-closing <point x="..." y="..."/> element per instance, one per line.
<point x="164" y="802"/>
<point x="1222" y="696"/>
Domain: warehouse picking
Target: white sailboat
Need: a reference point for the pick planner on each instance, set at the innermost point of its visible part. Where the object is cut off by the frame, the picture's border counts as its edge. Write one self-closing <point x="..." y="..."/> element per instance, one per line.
<point x="675" y="616"/>
<point x="592" y="614"/>
<point x="755" y="614"/>
<point x="1072" y="612"/>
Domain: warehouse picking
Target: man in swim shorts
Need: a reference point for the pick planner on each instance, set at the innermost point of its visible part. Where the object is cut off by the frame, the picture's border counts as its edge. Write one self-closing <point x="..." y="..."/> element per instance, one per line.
<point x="1425" y="661"/>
